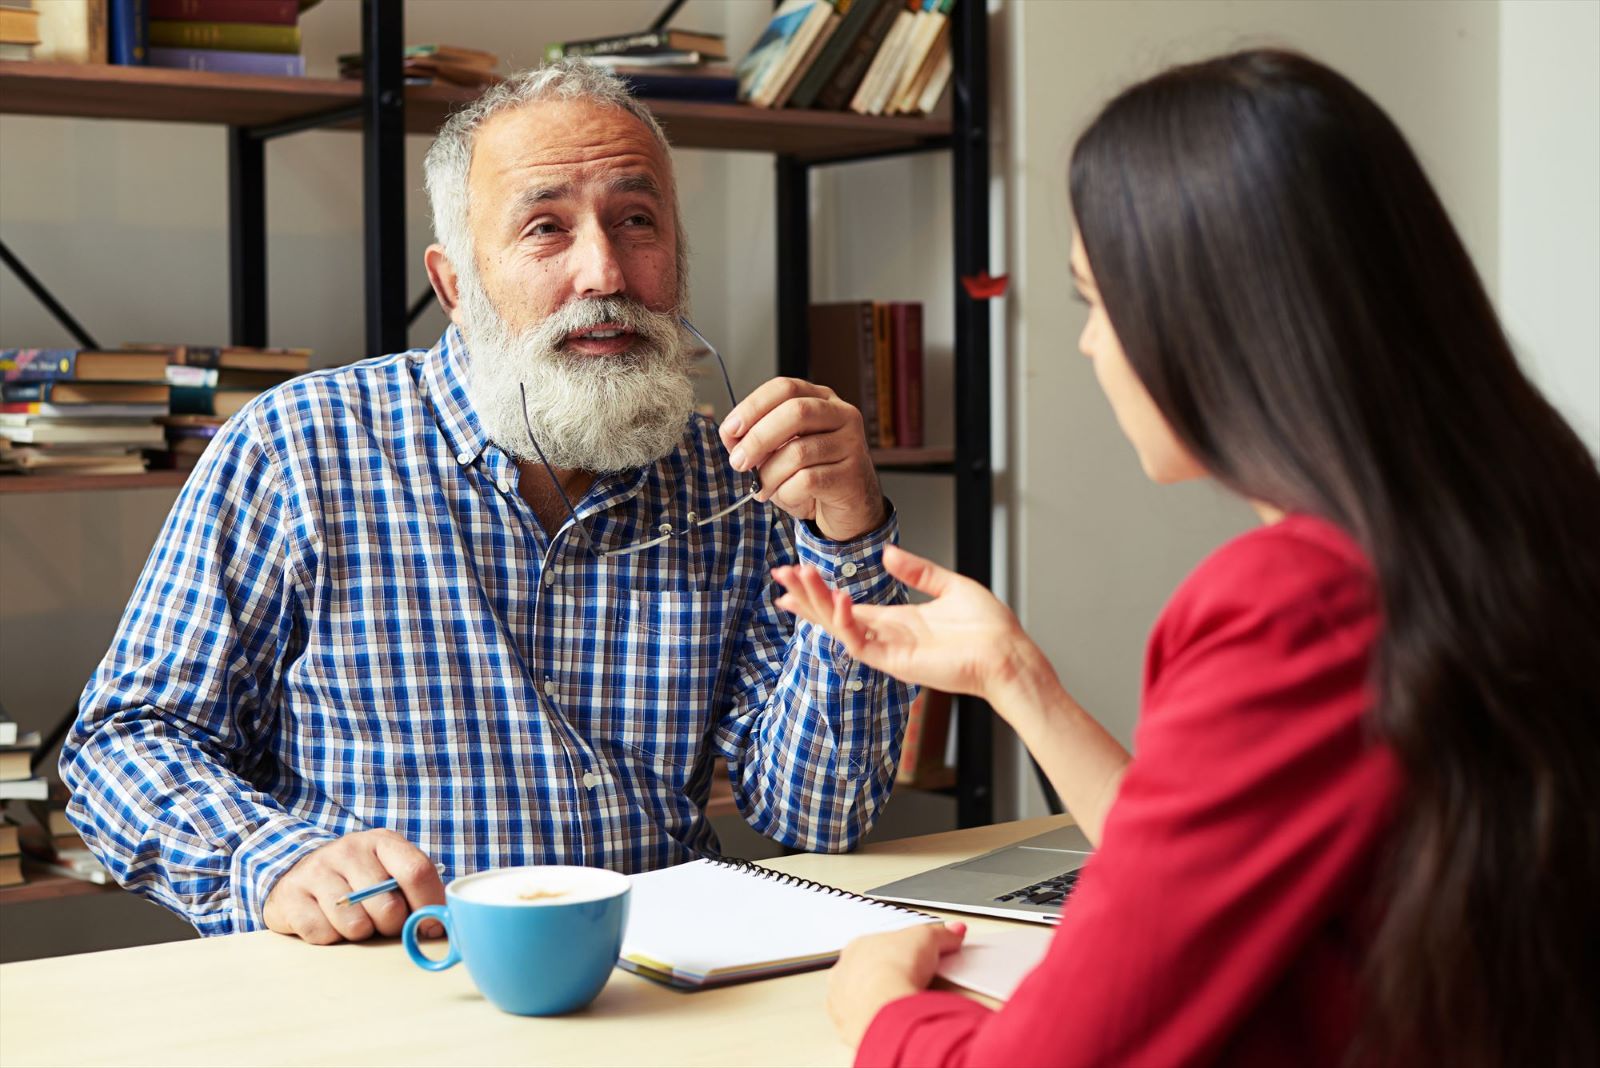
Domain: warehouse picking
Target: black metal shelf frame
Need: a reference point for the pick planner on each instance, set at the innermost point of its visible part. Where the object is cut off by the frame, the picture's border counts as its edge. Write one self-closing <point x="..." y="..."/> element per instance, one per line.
<point x="969" y="151"/>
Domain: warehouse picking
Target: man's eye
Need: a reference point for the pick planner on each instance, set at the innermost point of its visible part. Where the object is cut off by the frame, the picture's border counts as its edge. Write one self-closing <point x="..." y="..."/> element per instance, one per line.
<point x="638" y="220"/>
<point x="543" y="229"/>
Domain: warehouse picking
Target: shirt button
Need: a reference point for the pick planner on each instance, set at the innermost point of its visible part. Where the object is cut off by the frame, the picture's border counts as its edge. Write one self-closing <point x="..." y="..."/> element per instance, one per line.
<point x="549" y="578"/>
<point x="505" y="485"/>
<point x="549" y="687"/>
<point x="848" y="569"/>
<point x="590" y="780"/>
<point x="856" y="686"/>
<point x="463" y="457"/>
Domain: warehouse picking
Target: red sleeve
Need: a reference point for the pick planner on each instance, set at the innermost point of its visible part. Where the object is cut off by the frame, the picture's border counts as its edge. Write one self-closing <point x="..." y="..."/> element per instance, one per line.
<point x="1248" y="817"/>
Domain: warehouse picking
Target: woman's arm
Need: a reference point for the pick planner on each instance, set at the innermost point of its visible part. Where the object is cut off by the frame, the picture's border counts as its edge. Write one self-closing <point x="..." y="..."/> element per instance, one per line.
<point x="965" y="641"/>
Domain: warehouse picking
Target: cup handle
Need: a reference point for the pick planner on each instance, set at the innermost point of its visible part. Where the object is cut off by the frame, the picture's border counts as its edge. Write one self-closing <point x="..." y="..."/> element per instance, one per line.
<point x="409" y="938"/>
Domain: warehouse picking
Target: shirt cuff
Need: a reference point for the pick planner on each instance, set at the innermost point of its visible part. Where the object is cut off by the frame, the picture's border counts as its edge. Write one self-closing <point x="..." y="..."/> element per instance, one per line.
<point x="263" y="858"/>
<point x="854" y="566"/>
<point x="924" y="1029"/>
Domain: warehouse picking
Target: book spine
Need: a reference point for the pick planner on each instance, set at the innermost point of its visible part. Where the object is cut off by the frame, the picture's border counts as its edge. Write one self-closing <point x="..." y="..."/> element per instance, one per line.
<point x="600" y="46"/>
<point x="908" y="374"/>
<point x="821" y="71"/>
<point x="227" y="36"/>
<point x="229" y="62"/>
<point x="868" y="368"/>
<point x="126" y="42"/>
<point x="883" y="366"/>
<point x="25" y="392"/>
<point x="273" y="12"/>
<point x="836" y="95"/>
<point x="38" y="365"/>
<point x="193" y="400"/>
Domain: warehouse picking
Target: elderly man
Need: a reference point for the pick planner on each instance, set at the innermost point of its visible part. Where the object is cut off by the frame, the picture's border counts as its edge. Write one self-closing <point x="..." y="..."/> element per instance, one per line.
<point x="500" y="602"/>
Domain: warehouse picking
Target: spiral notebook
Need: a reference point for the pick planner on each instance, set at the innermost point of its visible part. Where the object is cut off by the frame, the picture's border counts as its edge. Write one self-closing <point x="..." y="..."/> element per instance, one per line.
<point x="709" y="923"/>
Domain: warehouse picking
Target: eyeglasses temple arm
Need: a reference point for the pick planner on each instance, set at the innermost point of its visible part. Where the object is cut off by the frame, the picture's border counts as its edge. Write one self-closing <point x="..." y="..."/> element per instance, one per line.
<point x="554" y="481"/>
<point x="722" y="365"/>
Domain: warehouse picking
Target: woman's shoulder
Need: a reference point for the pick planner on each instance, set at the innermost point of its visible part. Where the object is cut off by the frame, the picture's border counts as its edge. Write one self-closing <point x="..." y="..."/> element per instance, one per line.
<point x="1301" y="577"/>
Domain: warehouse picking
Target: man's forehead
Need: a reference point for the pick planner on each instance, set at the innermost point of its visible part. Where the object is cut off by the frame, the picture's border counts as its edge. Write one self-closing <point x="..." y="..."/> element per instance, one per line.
<point x="567" y="142"/>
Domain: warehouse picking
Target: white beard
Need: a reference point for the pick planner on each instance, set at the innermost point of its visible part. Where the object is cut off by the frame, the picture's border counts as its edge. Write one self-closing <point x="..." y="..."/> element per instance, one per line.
<point x="588" y="413"/>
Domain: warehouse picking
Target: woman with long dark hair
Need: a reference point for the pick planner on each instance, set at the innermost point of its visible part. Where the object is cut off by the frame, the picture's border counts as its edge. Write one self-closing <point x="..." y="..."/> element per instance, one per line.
<point x="1361" y="822"/>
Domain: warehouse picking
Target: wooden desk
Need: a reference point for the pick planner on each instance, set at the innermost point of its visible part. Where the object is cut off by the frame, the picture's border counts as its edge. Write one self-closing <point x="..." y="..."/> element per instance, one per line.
<point x="265" y="999"/>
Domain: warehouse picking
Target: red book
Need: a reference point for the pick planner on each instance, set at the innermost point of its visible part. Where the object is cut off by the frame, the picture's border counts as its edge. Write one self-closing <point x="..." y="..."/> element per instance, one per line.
<point x="907" y="335"/>
<point x="272" y="12"/>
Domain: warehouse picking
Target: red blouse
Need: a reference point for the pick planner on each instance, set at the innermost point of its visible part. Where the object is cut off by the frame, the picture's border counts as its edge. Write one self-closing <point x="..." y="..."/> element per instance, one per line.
<point x="1221" y="919"/>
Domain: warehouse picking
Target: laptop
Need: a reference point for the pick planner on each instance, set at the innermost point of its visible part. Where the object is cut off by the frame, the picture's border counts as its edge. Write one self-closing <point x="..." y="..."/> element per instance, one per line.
<point x="1030" y="880"/>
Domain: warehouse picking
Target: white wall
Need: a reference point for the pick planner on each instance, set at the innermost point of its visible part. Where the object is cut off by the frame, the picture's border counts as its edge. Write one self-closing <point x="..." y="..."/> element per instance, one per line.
<point x="1550" y="199"/>
<point x="1097" y="548"/>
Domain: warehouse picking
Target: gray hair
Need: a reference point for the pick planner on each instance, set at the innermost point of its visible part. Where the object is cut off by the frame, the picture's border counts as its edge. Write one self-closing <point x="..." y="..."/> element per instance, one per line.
<point x="450" y="158"/>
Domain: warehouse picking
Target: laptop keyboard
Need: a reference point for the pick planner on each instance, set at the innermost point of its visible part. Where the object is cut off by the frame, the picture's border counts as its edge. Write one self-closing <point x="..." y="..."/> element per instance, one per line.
<point x="1051" y="891"/>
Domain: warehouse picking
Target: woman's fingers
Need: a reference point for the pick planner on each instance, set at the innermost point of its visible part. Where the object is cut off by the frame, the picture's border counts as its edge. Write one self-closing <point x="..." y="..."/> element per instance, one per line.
<point x="916" y="572"/>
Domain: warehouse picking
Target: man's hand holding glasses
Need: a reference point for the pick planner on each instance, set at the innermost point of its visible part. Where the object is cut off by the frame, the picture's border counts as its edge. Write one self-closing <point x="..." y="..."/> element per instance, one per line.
<point x="809" y="449"/>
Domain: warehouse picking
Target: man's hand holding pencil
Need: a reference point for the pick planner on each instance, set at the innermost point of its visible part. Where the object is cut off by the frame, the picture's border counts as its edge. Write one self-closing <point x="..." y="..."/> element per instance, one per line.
<point x="363" y="884"/>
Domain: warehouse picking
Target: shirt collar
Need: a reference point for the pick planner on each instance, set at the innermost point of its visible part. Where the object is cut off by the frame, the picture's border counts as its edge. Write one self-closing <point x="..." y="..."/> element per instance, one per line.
<point x="444" y="372"/>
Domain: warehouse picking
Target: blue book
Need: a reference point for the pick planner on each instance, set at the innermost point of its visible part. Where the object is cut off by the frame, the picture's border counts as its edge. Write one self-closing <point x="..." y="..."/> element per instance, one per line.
<point x="127" y="43"/>
<point x="774" y="41"/>
<point x="278" y="63"/>
<point x="681" y="86"/>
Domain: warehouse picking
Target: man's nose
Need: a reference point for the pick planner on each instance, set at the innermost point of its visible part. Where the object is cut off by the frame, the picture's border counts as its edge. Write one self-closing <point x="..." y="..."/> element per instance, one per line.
<point x="596" y="271"/>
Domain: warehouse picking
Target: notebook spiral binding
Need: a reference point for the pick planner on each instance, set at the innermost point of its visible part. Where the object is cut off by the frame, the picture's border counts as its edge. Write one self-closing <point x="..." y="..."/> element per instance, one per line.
<point x="807" y="884"/>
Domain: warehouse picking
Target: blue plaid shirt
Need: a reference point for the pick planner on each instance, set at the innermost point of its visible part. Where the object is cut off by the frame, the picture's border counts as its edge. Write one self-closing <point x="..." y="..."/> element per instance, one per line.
<point x="352" y="620"/>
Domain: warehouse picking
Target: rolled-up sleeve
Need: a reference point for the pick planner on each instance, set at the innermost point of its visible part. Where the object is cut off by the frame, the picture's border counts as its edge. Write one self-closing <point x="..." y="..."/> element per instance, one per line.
<point x="813" y="737"/>
<point x="164" y="760"/>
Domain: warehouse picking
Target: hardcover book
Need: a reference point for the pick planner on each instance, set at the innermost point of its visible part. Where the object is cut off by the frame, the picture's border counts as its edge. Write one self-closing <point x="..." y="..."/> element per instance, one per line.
<point x="227" y="36"/>
<point x="50" y="365"/>
<point x="278" y="12"/>
<point x="843" y="357"/>
<point x="833" y="53"/>
<point x="852" y="68"/>
<point x="269" y="63"/>
<point x="72" y="31"/>
<point x="906" y="341"/>
<point x="708" y="44"/>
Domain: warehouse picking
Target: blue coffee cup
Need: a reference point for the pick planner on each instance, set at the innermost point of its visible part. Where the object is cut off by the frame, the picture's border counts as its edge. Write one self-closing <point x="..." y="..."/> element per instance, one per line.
<point x="537" y="941"/>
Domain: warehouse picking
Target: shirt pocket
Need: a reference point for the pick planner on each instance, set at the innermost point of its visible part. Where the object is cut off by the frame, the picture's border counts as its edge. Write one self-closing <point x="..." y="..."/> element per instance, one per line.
<point x="671" y="646"/>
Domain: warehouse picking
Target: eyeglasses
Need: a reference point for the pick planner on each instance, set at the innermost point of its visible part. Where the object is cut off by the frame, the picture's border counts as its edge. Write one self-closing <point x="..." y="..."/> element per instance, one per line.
<point x="665" y="532"/>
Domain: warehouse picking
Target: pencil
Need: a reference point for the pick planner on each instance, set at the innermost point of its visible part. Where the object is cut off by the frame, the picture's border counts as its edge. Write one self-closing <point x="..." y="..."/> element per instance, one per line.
<point x="387" y="886"/>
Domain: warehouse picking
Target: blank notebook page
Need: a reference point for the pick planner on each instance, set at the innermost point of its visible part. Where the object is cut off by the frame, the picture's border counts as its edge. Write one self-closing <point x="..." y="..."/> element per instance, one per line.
<point x="705" y="917"/>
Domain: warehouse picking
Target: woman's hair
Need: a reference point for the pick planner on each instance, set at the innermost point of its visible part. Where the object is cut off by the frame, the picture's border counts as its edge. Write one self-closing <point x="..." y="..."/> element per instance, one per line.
<point x="1290" y="291"/>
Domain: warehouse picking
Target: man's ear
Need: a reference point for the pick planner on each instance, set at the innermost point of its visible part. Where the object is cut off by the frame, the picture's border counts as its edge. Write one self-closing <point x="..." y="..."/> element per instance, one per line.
<point x="442" y="276"/>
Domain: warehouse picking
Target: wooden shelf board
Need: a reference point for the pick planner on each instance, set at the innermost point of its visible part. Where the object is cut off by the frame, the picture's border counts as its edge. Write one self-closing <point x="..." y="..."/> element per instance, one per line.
<point x="10" y="483"/>
<point x="160" y="95"/>
<point x="47" y="886"/>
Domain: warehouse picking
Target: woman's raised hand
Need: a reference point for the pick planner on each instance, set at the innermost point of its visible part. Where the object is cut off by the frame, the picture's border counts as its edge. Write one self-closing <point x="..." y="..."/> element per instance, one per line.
<point x="962" y="641"/>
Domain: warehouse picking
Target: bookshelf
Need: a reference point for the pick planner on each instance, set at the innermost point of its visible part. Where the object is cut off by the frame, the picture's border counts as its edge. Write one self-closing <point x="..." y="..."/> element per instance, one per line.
<point x="383" y="110"/>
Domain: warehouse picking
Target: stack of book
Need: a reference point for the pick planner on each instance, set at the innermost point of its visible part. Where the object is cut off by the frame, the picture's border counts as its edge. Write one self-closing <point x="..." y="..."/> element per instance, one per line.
<point x="660" y="63"/>
<point x="19" y="29"/>
<point x="424" y="64"/>
<point x="870" y="354"/>
<point x="209" y="384"/>
<point x="71" y="31"/>
<point x="873" y="57"/>
<point x="17" y="782"/>
<point x="80" y="411"/>
<point x="10" y="854"/>
<point x="236" y="36"/>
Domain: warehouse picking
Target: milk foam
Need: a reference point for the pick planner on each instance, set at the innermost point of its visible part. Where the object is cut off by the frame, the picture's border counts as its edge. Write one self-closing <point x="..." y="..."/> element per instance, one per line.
<point x="539" y="885"/>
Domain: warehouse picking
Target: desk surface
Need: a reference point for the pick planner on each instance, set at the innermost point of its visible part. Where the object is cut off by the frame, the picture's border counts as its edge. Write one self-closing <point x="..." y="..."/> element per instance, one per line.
<point x="266" y="999"/>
